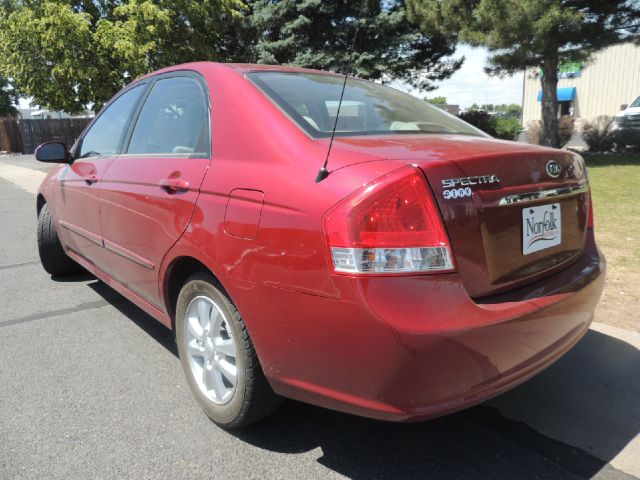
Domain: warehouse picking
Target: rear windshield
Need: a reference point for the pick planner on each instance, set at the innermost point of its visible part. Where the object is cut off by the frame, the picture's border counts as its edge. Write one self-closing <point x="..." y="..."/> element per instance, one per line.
<point x="311" y="100"/>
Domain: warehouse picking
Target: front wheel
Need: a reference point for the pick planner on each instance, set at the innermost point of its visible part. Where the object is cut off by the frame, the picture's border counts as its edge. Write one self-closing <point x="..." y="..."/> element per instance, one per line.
<point x="218" y="357"/>
<point x="52" y="256"/>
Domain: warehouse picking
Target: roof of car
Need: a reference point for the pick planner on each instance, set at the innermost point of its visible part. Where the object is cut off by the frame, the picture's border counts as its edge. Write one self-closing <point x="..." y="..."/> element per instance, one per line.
<point x="240" y="67"/>
<point x="252" y="67"/>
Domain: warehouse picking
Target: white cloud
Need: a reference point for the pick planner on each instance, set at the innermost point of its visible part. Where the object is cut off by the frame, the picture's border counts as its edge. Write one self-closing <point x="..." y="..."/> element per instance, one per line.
<point x="471" y="84"/>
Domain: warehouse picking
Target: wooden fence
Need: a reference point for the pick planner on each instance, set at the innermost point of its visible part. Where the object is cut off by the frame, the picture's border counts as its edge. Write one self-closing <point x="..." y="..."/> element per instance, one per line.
<point x="10" y="138"/>
<point x="24" y="136"/>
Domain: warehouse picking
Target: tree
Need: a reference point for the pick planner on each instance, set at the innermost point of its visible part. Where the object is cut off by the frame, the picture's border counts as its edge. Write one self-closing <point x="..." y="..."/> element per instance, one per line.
<point x="512" y="110"/>
<point x="481" y="120"/>
<point x="8" y="99"/>
<point x="436" y="100"/>
<point x="533" y="34"/>
<point x="318" y="34"/>
<point x="68" y="54"/>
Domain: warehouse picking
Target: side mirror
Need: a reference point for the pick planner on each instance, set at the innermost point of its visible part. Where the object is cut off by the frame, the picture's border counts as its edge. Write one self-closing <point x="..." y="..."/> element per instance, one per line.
<point x="53" y="152"/>
<point x="624" y="106"/>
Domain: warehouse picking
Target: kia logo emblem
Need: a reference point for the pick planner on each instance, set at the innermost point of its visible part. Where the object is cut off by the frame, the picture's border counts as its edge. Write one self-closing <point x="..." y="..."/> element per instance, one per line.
<point x="553" y="169"/>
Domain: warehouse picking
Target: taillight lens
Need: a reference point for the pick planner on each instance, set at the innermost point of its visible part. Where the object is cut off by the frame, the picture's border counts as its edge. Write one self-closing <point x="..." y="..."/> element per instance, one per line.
<point x="389" y="226"/>
<point x="590" y="222"/>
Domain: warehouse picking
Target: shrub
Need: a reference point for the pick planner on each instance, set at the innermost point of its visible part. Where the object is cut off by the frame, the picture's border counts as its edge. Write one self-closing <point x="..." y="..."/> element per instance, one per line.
<point x="481" y="120"/>
<point x="534" y="132"/>
<point x="566" y="126"/>
<point x="507" y="128"/>
<point x="599" y="134"/>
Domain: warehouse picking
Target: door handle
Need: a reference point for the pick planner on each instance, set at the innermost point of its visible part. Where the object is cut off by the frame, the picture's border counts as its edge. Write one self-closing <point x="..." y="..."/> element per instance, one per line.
<point x="90" y="179"/>
<point x="174" y="185"/>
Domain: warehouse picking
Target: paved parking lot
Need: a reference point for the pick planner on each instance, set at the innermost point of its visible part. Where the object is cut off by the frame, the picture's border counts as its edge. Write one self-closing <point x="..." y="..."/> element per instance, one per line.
<point x="91" y="387"/>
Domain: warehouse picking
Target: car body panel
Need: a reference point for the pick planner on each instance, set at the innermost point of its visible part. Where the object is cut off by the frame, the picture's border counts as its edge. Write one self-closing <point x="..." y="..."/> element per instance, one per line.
<point x="141" y="220"/>
<point x="78" y="209"/>
<point x="403" y="347"/>
<point x="387" y="348"/>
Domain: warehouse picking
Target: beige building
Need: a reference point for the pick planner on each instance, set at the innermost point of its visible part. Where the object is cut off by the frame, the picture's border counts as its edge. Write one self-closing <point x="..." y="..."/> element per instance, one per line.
<point x="591" y="89"/>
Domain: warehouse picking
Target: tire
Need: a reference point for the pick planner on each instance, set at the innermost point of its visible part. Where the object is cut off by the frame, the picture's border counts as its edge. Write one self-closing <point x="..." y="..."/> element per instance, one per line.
<point x="52" y="256"/>
<point x="204" y="345"/>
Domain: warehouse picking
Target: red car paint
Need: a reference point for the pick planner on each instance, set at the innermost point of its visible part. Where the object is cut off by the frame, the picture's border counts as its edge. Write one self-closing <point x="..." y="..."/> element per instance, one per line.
<point x="394" y="347"/>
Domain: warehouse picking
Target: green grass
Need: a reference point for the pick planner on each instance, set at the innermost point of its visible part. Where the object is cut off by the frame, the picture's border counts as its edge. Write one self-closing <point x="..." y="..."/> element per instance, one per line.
<point x="615" y="187"/>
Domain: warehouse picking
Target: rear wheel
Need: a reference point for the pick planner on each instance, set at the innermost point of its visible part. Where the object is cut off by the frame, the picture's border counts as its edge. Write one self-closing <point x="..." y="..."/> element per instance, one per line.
<point x="218" y="357"/>
<point x="52" y="256"/>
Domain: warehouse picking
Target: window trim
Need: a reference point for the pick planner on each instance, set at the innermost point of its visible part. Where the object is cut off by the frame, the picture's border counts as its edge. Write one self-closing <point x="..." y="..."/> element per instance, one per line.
<point x="199" y="79"/>
<point x="77" y="148"/>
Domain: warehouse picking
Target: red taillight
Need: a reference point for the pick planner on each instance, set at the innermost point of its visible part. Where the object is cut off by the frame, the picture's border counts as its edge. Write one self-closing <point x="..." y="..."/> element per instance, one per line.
<point x="590" y="223"/>
<point x="389" y="226"/>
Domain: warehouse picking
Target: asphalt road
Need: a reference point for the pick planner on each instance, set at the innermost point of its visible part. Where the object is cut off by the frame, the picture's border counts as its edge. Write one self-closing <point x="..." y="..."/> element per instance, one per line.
<point x="91" y="387"/>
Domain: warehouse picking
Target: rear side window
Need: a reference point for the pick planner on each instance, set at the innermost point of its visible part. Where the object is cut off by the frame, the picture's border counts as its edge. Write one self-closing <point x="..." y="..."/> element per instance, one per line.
<point x="173" y="120"/>
<point x="105" y="135"/>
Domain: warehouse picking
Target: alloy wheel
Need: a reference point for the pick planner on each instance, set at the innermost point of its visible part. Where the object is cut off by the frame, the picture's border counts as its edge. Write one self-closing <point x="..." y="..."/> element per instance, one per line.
<point x="211" y="350"/>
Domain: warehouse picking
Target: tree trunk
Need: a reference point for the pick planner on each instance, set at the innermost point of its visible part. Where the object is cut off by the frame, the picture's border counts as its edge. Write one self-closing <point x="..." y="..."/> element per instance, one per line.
<point x="550" y="135"/>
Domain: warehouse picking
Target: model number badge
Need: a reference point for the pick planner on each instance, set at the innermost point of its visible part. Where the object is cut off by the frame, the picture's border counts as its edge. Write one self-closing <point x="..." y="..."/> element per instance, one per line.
<point x="457" y="193"/>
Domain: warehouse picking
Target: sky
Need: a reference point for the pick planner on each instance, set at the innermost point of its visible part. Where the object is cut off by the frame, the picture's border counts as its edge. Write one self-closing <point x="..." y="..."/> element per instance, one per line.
<point x="471" y="85"/>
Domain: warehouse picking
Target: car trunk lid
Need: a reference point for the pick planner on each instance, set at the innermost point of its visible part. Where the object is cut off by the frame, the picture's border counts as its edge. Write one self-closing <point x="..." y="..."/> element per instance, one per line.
<point x="491" y="193"/>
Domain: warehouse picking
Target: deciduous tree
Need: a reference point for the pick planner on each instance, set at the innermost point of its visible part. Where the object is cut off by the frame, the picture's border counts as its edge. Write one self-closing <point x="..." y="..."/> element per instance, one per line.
<point x="8" y="99"/>
<point x="436" y="100"/>
<point x="69" y="54"/>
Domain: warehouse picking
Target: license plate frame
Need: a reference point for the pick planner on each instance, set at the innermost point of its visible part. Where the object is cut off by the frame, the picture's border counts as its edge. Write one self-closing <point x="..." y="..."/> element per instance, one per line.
<point x="541" y="228"/>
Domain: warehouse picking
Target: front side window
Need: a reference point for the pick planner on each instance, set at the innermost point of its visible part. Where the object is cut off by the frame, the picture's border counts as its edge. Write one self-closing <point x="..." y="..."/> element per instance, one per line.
<point x="173" y="120"/>
<point x="311" y="100"/>
<point x="105" y="135"/>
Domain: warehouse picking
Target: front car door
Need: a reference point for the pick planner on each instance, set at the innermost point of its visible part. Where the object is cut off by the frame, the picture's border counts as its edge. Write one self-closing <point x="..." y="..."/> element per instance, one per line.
<point x="78" y="213"/>
<point x="150" y="191"/>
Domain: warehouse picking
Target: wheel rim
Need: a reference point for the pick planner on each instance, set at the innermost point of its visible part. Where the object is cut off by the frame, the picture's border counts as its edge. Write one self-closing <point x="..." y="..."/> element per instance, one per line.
<point x="211" y="350"/>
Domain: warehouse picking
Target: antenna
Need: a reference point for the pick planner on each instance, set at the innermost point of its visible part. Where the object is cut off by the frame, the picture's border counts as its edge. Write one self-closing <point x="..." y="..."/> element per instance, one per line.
<point x="323" y="172"/>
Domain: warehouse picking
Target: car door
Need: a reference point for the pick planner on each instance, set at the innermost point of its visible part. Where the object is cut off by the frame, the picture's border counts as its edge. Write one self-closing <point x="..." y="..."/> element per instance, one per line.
<point x="78" y="214"/>
<point x="150" y="192"/>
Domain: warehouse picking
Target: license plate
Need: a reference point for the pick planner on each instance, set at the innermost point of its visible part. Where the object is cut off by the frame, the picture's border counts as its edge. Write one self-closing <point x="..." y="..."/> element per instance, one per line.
<point x="541" y="228"/>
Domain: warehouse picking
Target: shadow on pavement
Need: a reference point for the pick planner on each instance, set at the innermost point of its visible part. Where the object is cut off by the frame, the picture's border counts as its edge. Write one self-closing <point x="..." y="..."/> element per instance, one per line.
<point x="588" y="399"/>
<point x="146" y="322"/>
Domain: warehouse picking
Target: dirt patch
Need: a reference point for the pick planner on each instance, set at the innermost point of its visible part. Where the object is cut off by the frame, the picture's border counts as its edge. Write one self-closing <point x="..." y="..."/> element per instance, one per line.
<point x="620" y="303"/>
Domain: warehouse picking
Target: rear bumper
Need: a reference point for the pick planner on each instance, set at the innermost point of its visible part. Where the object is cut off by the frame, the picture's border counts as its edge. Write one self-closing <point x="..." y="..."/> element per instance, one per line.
<point x="412" y="348"/>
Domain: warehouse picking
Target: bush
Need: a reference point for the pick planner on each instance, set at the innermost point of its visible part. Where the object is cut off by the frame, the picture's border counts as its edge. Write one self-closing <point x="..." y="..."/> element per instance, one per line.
<point x="599" y="134"/>
<point x="534" y="132"/>
<point x="507" y="128"/>
<point x="566" y="126"/>
<point x="481" y="120"/>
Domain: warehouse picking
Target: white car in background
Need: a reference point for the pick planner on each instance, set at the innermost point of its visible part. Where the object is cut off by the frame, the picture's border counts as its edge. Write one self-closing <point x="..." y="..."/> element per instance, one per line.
<point x="627" y="124"/>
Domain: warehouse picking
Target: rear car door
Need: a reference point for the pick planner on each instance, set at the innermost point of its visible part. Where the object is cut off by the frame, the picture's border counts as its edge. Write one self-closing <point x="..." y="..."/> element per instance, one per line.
<point x="150" y="191"/>
<point x="79" y="211"/>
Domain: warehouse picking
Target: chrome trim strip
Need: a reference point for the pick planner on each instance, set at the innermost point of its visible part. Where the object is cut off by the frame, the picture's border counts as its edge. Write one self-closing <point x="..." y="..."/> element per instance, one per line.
<point x="92" y="237"/>
<point x="129" y="255"/>
<point x="559" y="192"/>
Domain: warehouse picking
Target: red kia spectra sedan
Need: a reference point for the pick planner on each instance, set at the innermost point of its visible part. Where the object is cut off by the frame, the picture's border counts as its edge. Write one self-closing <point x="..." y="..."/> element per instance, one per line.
<point x="434" y="267"/>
